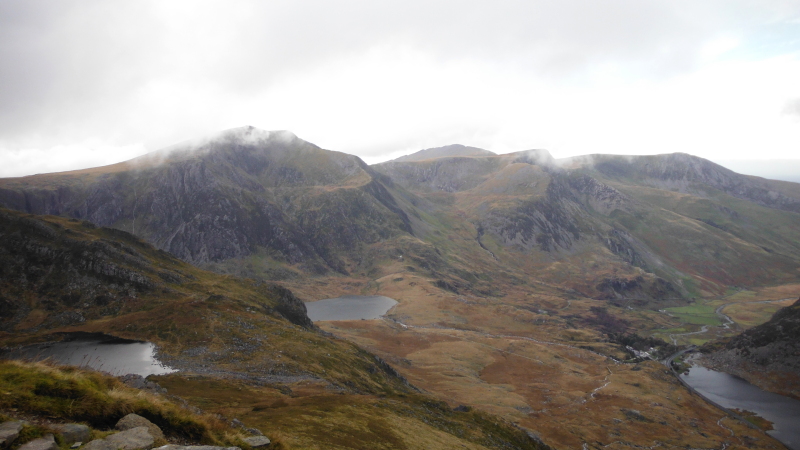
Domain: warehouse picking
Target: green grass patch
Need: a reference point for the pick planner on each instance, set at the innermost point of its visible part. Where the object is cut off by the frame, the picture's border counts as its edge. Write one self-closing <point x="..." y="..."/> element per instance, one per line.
<point x="697" y="314"/>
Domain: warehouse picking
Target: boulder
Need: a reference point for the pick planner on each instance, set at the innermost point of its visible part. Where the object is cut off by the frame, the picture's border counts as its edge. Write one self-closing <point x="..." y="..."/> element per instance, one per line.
<point x="257" y="441"/>
<point x="73" y="432"/>
<point x="98" y="444"/>
<point x="134" y="421"/>
<point x="194" y="447"/>
<point x="8" y="432"/>
<point x="138" y="438"/>
<point x="47" y="442"/>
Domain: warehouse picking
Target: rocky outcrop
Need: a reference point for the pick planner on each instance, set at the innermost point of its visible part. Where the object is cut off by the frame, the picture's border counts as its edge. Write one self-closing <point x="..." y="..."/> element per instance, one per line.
<point x="773" y="345"/>
<point x="291" y="307"/>
<point x="547" y="222"/>
<point x="140" y="382"/>
<point x="640" y="289"/>
<point x="229" y="196"/>
<point x="75" y="276"/>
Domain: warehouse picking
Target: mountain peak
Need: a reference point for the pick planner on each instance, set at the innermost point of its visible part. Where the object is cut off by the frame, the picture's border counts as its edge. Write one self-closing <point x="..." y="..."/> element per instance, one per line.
<point x="445" y="152"/>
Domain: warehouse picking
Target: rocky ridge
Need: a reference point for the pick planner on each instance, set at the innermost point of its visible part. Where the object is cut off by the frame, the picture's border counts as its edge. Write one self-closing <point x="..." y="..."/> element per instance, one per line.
<point x="771" y="350"/>
<point x="228" y="196"/>
<point x="270" y="206"/>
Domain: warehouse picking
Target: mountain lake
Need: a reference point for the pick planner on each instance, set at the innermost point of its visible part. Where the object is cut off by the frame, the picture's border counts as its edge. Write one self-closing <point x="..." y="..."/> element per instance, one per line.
<point x="350" y="307"/>
<point x="735" y="393"/>
<point x="98" y="351"/>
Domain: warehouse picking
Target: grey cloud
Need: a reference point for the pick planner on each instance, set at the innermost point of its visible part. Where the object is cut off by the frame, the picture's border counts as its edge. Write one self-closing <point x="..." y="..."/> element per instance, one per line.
<point x="79" y="67"/>
<point x="792" y="108"/>
<point x="66" y="57"/>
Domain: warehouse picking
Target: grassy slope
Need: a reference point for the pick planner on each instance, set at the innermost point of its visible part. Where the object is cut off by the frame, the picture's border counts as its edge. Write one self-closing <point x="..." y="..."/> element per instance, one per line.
<point x="65" y="394"/>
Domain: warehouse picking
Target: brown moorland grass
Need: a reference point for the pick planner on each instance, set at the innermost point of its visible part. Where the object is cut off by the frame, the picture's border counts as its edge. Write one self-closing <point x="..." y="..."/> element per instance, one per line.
<point x="528" y="357"/>
<point x="69" y="394"/>
<point x="309" y="415"/>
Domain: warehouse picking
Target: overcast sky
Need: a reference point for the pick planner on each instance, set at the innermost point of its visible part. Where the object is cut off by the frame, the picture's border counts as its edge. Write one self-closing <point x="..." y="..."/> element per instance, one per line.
<point x="86" y="83"/>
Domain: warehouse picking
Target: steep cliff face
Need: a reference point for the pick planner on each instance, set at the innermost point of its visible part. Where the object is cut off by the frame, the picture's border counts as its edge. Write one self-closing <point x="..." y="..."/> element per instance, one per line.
<point x="228" y="196"/>
<point x="621" y="227"/>
<point x="74" y="276"/>
<point x="672" y="225"/>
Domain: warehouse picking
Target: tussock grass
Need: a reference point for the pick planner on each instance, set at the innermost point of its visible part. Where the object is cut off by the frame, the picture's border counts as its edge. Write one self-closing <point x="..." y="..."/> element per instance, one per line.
<point x="72" y="394"/>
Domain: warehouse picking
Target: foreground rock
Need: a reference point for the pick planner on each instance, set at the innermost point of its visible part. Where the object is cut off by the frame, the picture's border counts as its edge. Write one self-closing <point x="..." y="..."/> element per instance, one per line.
<point x="257" y="441"/>
<point x="9" y="431"/>
<point x="194" y="447"/>
<point x="45" y="443"/>
<point x="73" y="432"/>
<point x="135" y="421"/>
<point x="138" y="438"/>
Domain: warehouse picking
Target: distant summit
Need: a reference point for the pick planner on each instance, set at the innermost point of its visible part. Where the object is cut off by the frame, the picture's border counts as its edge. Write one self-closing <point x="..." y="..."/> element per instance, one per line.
<point x="444" y="152"/>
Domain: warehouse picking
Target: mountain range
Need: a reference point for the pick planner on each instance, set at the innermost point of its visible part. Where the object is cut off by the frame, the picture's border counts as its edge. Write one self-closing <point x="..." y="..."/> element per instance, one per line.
<point x="522" y="282"/>
<point x="629" y="228"/>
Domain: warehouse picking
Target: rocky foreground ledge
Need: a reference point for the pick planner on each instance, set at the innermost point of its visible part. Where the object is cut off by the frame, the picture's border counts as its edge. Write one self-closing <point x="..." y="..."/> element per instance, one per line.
<point x="134" y="433"/>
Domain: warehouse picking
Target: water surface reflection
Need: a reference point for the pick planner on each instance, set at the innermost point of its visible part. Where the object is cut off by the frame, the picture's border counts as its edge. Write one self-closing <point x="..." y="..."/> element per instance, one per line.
<point x="350" y="307"/>
<point x="735" y="393"/>
<point x="98" y="351"/>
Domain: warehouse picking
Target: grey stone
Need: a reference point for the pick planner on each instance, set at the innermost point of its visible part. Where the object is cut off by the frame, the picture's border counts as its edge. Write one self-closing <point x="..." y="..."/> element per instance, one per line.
<point x="194" y="447"/>
<point x="47" y="442"/>
<point x="257" y="441"/>
<point x="9" y="431"/>
<point x="134" y="421"/>
<point x="138" y="438"/>
<point x="76" y="445"/>
<point x="98" y="444"/>
<point x="73" y="432"/>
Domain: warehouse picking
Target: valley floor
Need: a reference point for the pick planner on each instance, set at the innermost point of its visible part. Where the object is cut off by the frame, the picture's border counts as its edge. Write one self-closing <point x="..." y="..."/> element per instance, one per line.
<point x="528" y="357"/>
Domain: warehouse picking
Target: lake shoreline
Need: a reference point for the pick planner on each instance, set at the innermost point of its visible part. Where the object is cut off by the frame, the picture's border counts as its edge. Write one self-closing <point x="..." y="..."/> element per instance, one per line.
<point x="350" y="307"/>
<point x="727" y="391"/>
